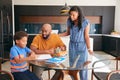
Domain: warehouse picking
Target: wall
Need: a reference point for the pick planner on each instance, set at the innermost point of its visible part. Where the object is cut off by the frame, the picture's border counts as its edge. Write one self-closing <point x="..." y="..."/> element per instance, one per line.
<point x="117" y="16"/>
<point x="106" y="12"/>
<point x="69" y="2"/>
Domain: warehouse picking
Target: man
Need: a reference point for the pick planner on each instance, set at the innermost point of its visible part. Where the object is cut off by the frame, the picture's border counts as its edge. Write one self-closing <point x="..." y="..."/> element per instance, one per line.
<point x="46" y="43"/>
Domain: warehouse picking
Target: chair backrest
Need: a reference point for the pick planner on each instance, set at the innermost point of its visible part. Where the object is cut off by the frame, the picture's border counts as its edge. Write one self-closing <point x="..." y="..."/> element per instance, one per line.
<point x="5" y="75"/>
<point x="1" y="61"/>
<point x="114" y="75"/>
<point x="107" y="75"/>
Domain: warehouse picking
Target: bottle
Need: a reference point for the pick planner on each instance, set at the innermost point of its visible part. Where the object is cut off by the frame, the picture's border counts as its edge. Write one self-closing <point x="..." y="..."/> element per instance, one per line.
<point x="57" y="50"/>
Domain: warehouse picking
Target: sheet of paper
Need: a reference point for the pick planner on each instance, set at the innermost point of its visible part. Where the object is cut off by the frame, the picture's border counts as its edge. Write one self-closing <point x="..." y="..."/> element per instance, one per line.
<point x="43" y="56"/>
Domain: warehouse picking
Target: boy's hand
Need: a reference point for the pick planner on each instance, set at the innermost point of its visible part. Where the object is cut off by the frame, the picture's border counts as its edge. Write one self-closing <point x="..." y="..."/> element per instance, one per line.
<point x="32" y="56"/>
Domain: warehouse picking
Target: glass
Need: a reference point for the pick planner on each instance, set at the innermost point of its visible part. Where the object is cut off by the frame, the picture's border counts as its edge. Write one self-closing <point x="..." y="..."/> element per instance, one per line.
<point x="95" y="29"/>
<point x="35" y="28"/>
<point x="62" y="69"/>
<point x="65" y="65"/>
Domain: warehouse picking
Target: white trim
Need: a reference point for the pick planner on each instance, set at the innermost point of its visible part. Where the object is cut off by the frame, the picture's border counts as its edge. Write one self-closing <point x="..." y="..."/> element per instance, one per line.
<point x="13" y="23"/>
<point x="69" y="2"/>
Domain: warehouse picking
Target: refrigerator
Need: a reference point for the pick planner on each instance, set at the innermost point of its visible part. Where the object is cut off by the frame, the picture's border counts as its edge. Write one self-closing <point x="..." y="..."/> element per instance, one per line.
<point x="6" y="33"/>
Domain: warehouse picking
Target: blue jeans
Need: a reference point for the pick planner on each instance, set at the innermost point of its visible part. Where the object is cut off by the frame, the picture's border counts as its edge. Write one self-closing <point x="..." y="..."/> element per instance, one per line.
<point x="26" y="75"/>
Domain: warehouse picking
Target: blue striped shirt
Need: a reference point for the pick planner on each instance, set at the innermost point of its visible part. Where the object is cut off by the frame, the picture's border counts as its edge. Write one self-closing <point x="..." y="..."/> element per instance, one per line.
<point x="20" y="53"/>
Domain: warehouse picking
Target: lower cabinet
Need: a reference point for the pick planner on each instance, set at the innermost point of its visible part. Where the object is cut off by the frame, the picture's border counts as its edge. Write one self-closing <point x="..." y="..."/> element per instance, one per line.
<point x="111" y="45"/>
<point x="118" y="48"/>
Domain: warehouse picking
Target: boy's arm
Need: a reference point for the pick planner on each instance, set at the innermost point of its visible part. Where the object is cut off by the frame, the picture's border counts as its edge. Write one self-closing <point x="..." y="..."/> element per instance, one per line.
<point x="30" y="57"/>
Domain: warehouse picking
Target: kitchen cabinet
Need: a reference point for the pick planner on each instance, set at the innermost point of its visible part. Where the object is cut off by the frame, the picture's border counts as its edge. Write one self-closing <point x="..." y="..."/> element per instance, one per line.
<point x="111" y="45"/>
<point x="6" y="40"/>
<point x="118" y="48"/>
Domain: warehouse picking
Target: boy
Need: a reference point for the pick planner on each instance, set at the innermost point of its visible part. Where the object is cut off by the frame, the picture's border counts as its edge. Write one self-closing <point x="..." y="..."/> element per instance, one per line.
<point x="19" y="55"/>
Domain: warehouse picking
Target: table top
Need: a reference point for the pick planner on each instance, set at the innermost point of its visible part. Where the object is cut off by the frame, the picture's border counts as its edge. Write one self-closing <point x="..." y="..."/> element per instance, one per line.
<point x="64" y="65"/>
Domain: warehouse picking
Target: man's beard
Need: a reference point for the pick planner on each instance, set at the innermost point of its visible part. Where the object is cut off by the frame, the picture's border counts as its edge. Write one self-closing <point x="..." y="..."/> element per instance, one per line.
<point x="46" y="37"/>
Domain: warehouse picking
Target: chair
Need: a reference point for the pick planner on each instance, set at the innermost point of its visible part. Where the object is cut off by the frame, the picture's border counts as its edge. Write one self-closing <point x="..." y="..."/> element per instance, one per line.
<point x="5" y="75"/>
<point x="103" y="75"/>
<point x="114" y="75"/>
<point x="31" y="69"/>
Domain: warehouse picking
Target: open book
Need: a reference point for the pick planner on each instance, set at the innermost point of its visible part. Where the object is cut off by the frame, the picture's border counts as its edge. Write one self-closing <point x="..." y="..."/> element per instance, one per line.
<point x="43" y="56"/>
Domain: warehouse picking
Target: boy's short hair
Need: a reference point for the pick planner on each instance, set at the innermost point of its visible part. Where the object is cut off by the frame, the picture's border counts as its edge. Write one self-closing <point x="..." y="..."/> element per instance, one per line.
<point x="20" y="34"/>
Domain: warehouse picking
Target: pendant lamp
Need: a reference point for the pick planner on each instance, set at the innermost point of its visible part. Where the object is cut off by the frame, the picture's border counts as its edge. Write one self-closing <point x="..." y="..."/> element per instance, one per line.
<point x="65" y="9"/>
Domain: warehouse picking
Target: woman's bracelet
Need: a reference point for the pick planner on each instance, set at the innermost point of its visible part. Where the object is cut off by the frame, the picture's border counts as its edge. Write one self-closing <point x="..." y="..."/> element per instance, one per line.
<point x="89" y="49"/>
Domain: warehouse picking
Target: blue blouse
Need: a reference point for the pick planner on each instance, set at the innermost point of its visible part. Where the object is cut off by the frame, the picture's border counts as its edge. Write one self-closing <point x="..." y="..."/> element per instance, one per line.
<point x="77" y="35"/>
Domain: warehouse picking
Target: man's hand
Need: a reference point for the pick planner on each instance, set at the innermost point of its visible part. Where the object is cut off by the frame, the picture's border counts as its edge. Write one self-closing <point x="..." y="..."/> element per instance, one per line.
<point x="51" y="51"/>
<point x="63" y="48"/>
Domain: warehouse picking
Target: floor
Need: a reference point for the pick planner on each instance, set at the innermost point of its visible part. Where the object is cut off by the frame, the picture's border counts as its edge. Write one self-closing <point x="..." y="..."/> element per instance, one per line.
<point x="98" y="55"/>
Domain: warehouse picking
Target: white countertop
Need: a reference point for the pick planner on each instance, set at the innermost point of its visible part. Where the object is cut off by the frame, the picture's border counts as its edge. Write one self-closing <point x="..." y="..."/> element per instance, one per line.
<point x="95" y="34"/>
<point x="117" y="36"/>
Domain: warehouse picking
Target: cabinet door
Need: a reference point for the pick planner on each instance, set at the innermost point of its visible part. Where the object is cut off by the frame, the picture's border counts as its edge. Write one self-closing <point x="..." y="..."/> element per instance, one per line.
<point x="110" y="45"/>
<point x="118" y="47"/>
<point x="106" y="44"/>
<point x="5" y="27"/>
<point x="113" y="46"/>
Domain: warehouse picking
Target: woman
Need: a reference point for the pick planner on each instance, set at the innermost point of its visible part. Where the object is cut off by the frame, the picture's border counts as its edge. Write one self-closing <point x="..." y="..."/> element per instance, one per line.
<point x="78" y="29"/>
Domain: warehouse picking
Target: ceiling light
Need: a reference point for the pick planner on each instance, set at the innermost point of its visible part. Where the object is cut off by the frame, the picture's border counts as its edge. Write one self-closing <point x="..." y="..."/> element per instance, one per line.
<point x="65" y="9"/>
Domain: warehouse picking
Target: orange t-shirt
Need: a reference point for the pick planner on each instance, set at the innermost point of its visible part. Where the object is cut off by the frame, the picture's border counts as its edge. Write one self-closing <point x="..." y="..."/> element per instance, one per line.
<point x="53" y="41"/>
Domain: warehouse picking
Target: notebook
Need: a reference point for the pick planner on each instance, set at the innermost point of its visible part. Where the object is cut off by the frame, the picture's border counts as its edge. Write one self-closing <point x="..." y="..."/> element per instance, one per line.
<point x="56" y="60"/>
